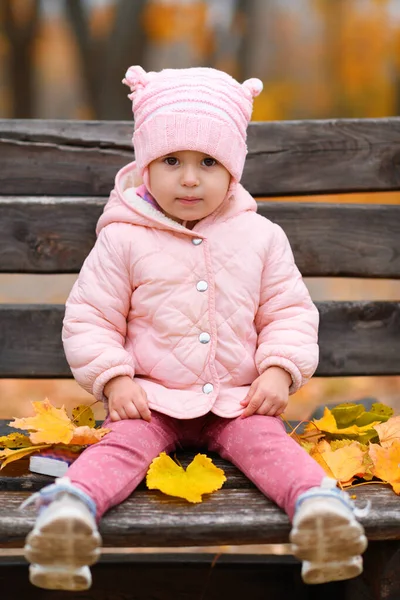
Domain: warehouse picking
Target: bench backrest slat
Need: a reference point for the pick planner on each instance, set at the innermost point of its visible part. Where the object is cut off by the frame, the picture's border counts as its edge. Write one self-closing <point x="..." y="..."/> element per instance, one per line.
<point x="356" y="338"/>
<point x="54" y="235"/>
<point x="285" y="158"/>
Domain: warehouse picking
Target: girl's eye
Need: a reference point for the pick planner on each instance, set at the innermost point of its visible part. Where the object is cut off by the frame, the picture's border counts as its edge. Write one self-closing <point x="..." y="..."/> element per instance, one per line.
<point x="209" y="162"/>
<point x="171" y="160"/>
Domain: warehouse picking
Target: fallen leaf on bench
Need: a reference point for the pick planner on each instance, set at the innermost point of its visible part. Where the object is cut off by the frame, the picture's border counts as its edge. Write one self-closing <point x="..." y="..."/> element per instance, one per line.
<point x="346" y="413"/>
<point x="85" y="436"/>
<point x="51" y="429"/>
<point x="15" y="440"/>
<point x="343" y="463"/>
<point x="83" y="415"/>
<point x="388" y="432"/>
<point x="347" y="450"/>
<point x="327" y="424"/>
<point x="386" y="463"/>
<point x="200" y="477"/>
<point x="51" y="425"/>
<point x="8" y="456"/>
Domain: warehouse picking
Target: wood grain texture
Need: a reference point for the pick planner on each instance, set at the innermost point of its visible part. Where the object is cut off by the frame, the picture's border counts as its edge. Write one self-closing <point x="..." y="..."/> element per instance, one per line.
<point x="292" y="157"/>
<point x="352" y="336"/>
<point x="151" y="519"/>
<point x="55" y="234"/>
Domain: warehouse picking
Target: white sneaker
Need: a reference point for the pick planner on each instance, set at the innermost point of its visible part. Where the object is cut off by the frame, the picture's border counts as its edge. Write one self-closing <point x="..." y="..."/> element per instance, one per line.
<point x="326" y="534"/>
<point x="59" y="578"/>
<point x="64" y="540"/>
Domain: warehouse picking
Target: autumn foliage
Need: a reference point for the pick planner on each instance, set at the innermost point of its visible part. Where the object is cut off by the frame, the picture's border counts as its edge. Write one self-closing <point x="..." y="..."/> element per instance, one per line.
<point x="50" y="428"/>
<point x="354" y="445"/>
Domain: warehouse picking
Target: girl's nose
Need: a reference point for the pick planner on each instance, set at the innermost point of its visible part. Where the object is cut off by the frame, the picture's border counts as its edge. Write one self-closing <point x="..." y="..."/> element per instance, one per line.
<point x="190" y="177"/>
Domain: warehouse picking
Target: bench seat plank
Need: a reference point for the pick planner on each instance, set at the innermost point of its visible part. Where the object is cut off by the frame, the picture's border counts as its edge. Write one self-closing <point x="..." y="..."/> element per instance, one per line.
<point x="352" y="335"/>
<point x="151" y="519"/>
<point x="54" y="235"/>
<point x="287" y="157"/>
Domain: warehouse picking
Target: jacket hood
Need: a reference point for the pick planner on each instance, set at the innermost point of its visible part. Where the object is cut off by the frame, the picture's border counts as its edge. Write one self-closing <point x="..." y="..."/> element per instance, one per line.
<point x="125" y="206"/>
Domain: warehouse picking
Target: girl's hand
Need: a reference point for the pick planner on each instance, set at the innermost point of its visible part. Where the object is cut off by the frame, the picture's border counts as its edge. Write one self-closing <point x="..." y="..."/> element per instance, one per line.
<point x="268" y="394"/>
<point x="126" y="399"/>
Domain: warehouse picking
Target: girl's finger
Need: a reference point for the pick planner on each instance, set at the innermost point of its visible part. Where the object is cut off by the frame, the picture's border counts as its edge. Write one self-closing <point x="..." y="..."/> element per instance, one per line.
<point x="252" y="407"/>
<point x="131" y="411"/>
<point x="122" y="413"/>
<point x="114" y="416"/>
<point x="264" y="408"/>
<point x="249" y="396"/>
<point x="143" y="408"/>
<point x="272" y="411"/>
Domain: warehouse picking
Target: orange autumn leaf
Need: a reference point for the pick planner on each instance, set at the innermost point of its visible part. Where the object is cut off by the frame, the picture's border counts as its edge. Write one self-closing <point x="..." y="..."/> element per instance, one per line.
<point x="342" y="464"/>
<point x="200" y="477"/>
<point x="386" y="463"/>
<point x="317" y="453"/>
<point x="85" y="435"/>
<point x="389" y="432"/>
<point x="50" y="425"/>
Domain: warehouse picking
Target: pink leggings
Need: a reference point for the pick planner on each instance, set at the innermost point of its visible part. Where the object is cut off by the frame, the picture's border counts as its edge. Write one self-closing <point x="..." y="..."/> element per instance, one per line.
<point x="110" y="470"/>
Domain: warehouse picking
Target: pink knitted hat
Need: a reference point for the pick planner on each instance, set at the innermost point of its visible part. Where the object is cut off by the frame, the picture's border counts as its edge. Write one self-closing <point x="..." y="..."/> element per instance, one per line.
<point x="191" y="109"/>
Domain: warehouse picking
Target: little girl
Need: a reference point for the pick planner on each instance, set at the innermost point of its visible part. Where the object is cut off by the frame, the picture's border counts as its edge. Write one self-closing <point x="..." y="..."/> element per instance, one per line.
<point x="191" y="321"/>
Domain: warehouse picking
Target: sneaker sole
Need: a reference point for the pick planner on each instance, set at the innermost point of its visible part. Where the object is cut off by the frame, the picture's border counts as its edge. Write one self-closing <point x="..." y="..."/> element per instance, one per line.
<point x="53" y="578"/>
<point x="315" y="573"/>
<point x="69" y="542"/>
<point x="327" y="537"/>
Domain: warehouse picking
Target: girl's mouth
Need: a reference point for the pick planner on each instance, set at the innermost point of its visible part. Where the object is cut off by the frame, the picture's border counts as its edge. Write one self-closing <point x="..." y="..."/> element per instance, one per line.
<point x="189" y="200"/>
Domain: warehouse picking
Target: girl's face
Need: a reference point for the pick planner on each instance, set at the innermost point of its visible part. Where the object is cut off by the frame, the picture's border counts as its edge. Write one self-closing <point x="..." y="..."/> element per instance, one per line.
<point x="188" y="185"/>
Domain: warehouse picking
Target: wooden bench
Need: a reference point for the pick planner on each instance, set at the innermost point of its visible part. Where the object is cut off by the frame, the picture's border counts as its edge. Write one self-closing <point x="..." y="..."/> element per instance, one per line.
<point x="54" y="179"/>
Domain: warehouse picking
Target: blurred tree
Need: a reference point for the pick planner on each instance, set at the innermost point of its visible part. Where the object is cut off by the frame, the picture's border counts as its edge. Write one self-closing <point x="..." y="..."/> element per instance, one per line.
<point x="265" y="53"/>
<point x="178" y="33"/>
<point x="358" y="46"/>
<point x="105" y="55"/>
<point x="20" y="20"/>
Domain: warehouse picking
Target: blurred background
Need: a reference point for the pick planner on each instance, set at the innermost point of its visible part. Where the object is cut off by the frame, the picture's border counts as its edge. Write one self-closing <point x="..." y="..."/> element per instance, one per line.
<point x="64" y="59"/>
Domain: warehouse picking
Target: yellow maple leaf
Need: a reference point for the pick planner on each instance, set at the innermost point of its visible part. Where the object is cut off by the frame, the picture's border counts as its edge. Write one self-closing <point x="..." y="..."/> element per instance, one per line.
<point x="388" y="432"/>
<point x="85" y="436"/>
<point x="83" y="415"/>
<point x="200" y="477"/>
<point x="343" y="463"/>
<point x="386" y="463"/>
<point x="8" y="456"/>
<point x="50" y="425"/>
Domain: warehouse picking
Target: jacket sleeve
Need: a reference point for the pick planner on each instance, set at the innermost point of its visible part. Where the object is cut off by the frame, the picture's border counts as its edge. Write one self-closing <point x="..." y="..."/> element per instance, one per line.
<point x="286" y="320"/>
<point x="95" y="322"/>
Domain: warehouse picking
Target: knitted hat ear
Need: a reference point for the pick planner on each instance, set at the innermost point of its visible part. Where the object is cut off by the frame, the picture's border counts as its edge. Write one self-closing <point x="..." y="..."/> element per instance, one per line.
<point x="136" y="78"/>
<point x="254" y="86"/>
<point x="198" y="108"/>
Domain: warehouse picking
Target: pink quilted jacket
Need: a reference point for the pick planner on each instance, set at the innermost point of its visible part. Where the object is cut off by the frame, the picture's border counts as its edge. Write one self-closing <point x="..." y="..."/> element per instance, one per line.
<point x="194" y="315"/>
